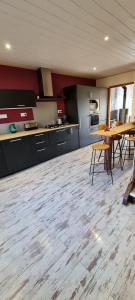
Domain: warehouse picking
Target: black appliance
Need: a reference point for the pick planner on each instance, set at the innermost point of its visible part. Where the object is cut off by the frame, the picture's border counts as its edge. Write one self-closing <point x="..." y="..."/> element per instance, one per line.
<point x="94" y="119"/>
<point x="77" y="109"/>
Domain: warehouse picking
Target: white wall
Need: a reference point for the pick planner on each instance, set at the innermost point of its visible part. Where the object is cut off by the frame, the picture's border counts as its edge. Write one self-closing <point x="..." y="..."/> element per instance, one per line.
<point x="119" y="79"/>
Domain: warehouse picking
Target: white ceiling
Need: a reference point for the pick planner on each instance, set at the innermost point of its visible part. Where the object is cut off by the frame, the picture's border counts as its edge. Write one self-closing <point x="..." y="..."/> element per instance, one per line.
<point x="68" y="35"/>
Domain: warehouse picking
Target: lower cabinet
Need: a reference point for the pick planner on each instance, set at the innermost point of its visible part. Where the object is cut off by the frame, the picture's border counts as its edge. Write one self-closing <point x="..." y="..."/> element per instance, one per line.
<point x="3" y="166"/>
<point x="20" y="153"/>
<point x="74" y="138"/>
<point x="40" y="148"/>
<point x="17" y="154"/>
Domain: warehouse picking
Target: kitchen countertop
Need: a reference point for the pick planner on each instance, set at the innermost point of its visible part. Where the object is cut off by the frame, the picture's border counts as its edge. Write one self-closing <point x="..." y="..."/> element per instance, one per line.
<point x="8" y="136"/>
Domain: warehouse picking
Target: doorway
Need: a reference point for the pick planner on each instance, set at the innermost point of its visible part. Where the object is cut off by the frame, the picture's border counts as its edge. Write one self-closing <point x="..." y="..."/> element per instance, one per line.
<point x="121" y="99"/>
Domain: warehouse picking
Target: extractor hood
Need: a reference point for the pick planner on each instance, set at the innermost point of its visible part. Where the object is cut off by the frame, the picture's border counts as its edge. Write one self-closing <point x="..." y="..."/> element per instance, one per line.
<point x="45" y="85"/>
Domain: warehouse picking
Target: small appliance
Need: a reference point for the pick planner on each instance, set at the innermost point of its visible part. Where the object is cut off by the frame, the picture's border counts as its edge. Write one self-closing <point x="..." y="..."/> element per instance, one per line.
<point x="30" y="126"/>
<point x="93" y="119"/>
<point x="59" y="121"/>
<point x="12" y="128"/>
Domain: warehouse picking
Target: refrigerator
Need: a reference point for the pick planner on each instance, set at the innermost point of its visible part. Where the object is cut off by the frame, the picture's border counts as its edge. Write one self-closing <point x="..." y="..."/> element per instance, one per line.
<point x="77" y="110"/>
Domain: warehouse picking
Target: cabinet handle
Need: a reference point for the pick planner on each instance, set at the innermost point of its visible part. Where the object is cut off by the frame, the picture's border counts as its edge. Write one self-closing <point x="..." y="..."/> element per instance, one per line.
<point x="16" y="140"/>
<point x="40" y="134"/>
<point x="40" y="150"/>
<point x="40" y="142"/>
<point x="60" y="144"/>
<point x="21" y="105"/>
<point x="60" y="130"/>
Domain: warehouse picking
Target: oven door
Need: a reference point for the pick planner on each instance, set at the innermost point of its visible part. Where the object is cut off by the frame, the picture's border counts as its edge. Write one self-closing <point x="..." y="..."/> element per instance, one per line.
<point x="94" y="120"/>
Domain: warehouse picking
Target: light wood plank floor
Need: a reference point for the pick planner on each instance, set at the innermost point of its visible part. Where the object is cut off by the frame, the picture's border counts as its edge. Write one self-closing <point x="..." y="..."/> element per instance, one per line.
<point x="63" y="239"/>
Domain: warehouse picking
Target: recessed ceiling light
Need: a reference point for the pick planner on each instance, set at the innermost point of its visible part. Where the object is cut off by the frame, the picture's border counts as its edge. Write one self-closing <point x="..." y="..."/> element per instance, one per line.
<point x="8" y="46"/>
<point x="106" y="38"/>
<point x="94" y="68"/>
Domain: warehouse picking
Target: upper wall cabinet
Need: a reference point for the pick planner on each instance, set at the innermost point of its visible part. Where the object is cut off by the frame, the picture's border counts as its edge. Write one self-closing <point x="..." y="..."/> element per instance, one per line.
<point x="17" y="98"/>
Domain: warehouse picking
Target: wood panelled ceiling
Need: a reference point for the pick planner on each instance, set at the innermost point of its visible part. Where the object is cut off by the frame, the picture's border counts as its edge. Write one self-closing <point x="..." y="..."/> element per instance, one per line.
<point x="68" y="35"/>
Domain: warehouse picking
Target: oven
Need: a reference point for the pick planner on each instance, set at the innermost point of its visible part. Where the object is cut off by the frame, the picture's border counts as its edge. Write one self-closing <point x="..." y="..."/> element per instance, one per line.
<point x="93" y="119"/>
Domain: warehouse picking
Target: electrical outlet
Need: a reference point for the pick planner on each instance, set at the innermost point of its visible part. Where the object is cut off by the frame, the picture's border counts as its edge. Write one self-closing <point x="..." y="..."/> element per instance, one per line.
<point x="3" y="116"/>
<point x="24" y="114"/>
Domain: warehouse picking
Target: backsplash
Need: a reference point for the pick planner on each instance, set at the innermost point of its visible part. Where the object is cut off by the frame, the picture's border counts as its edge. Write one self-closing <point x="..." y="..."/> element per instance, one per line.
<point x="16" y="115"/>
<point x="45" y="113"/>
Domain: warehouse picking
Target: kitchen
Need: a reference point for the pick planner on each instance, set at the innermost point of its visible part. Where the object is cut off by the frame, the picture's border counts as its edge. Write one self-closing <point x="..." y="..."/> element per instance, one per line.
<point x="67" y="136"/>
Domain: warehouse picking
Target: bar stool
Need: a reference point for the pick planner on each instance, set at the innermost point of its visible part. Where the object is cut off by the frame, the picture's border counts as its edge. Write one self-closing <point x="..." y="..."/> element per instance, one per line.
<point x="95" y="148"/>
<point x="115" y="154"/>
<point x="127" y="147"/>
<point x="124" y="139"/>
<point x="117" y="151"/>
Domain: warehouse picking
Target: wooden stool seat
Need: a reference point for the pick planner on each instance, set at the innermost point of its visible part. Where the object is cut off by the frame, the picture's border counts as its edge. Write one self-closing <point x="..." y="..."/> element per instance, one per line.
<point x="100" y="147"/>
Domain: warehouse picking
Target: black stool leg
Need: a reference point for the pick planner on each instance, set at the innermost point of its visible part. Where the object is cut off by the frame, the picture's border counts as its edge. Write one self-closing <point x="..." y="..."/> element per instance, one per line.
<point x="109" y="171"/>
<point x="121" y="160"/>
<point x="100" y="155"/>
<point x="113" y="154"/>
<point x="91" y="162"/>
<point x="94" y="157"/>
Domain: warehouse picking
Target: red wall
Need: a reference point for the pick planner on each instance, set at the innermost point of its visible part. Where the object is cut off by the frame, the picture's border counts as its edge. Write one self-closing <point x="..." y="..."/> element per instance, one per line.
<point x="20" y="78"/>
<point x="60" y="81"/>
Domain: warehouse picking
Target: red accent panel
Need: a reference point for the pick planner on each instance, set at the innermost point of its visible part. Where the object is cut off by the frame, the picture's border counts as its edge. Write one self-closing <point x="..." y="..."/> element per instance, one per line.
<point x="14" y="115"/>
<point x="18" y="78"/>
<point x="60" y="81"/>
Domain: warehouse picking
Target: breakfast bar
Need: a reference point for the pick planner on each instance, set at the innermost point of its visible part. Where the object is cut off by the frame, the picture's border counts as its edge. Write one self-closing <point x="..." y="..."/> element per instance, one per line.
<point x="109" y="134"/>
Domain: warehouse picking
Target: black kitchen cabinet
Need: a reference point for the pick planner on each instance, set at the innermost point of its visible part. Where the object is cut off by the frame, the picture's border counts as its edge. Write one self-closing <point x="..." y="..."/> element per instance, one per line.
<point x="60" y="141"/>
<point x="17" y="154"/>
<point x="17" y="98"/>
<point x="3" y="166"/>
<point x="40" y="147"/>
<point x="77" y="109"/>
<point x="74" y="138"/>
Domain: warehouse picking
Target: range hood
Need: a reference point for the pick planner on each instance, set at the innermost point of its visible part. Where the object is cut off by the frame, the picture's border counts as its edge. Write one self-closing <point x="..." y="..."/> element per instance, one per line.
<point x="45" y="85"/>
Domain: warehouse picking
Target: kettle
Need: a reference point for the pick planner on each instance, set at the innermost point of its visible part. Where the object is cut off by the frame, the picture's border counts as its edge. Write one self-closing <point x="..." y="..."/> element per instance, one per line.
<point x="59" y="121"/>
<point x="12" y="128"/>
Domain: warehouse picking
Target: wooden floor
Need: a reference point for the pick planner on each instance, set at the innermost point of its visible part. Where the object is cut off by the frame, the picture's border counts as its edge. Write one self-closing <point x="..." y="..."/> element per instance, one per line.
<point x="61" y="238"/>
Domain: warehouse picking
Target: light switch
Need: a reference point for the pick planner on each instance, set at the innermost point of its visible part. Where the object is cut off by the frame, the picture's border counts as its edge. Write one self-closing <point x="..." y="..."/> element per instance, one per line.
<point x="3" y="116"/>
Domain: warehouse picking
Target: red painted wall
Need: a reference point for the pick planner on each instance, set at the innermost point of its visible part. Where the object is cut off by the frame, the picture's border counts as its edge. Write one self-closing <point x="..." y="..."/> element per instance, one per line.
<point x="14" y="115"/>
<point x="60" y="81"/>
<point x="20" y="78"/>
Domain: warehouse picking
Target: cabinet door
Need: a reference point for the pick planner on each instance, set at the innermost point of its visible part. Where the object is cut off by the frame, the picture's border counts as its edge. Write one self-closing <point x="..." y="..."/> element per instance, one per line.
<point x="3" y="166"/>
<point x="83" y="111"/>
<point x="94" y="139"/>
<point x="17" y="154"/>
<point x="74" y="138"/>
<point x="58" y="136"/>
<point x="17" y="98"/>
<point x="60" y="141"/>
<point x="40" y="148"/>
<point x="103" y="105"/>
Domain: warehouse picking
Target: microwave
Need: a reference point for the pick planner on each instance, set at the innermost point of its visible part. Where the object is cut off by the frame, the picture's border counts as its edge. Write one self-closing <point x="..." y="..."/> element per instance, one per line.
<point x="93" y="106"/>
